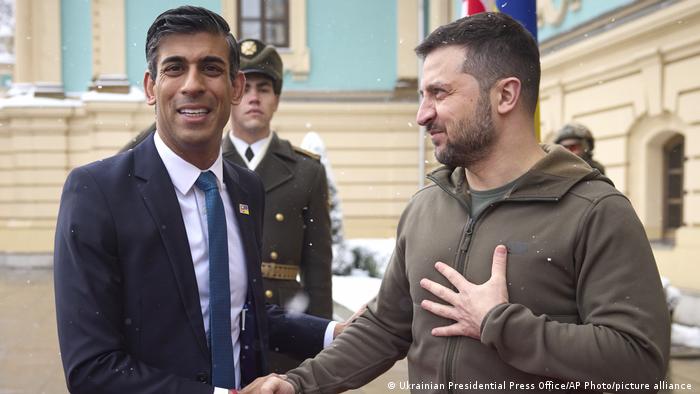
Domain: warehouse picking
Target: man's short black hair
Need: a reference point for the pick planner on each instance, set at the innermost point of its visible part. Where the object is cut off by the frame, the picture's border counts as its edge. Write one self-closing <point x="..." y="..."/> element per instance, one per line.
<point x="496" y="47"/>
<point x="189" y="20"/>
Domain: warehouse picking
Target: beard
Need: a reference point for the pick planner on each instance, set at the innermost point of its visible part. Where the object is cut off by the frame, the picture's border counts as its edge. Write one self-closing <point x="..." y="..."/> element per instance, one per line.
<point x="470" y="140"/>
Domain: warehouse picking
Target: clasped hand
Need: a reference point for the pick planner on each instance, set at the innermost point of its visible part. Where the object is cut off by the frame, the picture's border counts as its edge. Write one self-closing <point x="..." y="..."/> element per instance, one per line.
<point x="270" y="384"/>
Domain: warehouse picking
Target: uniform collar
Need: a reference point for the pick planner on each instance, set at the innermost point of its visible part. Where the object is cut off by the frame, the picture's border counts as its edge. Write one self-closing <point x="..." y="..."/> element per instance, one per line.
<point x="258" y="147"/>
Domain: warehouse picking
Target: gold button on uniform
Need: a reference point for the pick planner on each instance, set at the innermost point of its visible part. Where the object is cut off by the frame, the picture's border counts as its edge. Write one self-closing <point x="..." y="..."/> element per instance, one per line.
<point x="268" y="293"/>
<point x="273" y="255"/>
<point x="279" y="217"/>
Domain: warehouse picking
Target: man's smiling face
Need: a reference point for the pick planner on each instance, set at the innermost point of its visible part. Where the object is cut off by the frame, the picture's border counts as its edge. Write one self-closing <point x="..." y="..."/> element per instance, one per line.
<point x="193" y="91"/>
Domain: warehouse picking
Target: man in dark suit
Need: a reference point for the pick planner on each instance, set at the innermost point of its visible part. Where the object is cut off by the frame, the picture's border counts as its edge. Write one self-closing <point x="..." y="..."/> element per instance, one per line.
<point x="297" y="236"/>
<point x="155" y="293"/>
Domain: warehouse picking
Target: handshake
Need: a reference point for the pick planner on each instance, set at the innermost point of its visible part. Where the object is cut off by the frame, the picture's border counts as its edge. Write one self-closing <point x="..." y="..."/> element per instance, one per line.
<point x="278" y="384"/>
<point x="270" y="384"/>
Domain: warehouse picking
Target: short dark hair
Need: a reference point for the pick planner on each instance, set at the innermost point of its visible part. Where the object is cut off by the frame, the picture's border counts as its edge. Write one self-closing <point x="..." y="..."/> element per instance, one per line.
<point x="496" y="47"/>
<point x="186" y="20"/>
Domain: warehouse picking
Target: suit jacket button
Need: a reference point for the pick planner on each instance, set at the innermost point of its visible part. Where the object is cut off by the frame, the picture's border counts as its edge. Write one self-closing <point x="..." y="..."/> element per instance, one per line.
<point x="279" y="217"/>
<point x="203" y="377"/>
<point x="273" y="255"/>
<point x="268" y="293"/>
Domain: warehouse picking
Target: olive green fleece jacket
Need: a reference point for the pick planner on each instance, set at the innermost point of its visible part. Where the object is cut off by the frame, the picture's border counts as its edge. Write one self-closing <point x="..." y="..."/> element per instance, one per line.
<point x="585" y="299"/>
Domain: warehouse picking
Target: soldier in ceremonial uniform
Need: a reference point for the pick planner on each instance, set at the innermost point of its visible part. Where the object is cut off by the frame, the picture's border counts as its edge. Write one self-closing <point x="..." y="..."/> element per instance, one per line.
<point x="296" y="231"/>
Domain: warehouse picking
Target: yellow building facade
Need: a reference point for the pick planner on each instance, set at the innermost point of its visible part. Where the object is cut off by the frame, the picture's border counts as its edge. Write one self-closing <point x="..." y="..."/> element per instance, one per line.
<point x="635" y="85"/>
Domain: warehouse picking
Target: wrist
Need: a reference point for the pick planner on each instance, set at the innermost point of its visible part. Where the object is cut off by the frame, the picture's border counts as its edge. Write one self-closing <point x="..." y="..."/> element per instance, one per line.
<point x="338" y="329"/>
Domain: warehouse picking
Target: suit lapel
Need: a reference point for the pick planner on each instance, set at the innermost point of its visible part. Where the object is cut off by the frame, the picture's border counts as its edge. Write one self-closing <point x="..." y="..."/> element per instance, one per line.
<point x="276" y="167"/>
<point x="251" y="338"/>
<point x="159" y="196"/>
<point x="240" y="203"/>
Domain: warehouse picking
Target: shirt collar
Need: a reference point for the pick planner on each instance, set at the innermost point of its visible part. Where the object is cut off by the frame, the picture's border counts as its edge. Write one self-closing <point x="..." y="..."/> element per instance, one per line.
<point x="258" y="147"/>
<point x="182" y="173"/>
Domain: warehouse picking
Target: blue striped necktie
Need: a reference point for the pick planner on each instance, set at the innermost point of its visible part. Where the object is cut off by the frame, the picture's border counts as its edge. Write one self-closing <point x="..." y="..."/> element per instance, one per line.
<point x="223" y="370"/>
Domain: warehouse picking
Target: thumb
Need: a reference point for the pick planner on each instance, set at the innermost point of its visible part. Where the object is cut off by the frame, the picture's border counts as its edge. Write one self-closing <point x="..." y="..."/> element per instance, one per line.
<point x="498" y="267"/>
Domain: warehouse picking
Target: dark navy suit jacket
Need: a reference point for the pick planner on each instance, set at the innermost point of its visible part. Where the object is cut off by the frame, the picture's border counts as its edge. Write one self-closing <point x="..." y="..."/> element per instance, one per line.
<point x="127" y="302"/>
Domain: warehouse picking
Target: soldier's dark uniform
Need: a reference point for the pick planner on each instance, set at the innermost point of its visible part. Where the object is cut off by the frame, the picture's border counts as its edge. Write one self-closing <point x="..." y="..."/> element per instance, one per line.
<point x="296" y="227"/>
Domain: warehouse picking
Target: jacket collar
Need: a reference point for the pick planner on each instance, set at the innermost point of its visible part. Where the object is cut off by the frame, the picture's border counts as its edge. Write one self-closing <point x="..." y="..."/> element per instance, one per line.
<point x="275" y="169"/>
<point x="549" y="179"/>
<point x="277" y="147"/>
<point x="281" y="148"/>
<point x="229" y="152"/>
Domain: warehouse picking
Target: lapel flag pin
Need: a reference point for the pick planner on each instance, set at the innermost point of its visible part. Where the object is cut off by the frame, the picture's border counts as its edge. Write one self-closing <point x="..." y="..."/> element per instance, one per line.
<point x="243" y="208"/>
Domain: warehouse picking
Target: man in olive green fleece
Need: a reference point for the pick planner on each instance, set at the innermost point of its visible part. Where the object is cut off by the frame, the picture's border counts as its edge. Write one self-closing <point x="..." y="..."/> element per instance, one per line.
<point x="578" y="307"/>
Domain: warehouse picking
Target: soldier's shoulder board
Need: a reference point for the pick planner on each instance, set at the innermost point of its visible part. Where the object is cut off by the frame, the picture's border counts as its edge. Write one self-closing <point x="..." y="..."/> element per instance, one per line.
<point x="306" y="153"/>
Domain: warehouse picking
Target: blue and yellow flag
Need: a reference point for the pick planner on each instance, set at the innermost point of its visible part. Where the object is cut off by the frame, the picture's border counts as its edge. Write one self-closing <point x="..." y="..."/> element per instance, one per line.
<point x="524" y="11"/>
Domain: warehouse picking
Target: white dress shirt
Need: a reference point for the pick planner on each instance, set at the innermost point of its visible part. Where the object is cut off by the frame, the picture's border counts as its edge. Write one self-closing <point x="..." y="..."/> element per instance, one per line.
<point x="258" y="147"/>
<point x="194" y="214"/>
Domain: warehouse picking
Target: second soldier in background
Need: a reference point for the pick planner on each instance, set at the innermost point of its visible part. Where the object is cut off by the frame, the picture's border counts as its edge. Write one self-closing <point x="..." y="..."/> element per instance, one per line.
<point x="296" y="231"/>
<point x="578" y="139"/>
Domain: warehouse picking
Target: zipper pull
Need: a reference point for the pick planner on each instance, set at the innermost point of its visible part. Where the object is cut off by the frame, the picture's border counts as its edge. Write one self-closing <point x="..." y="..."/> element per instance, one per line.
<point x="470" y="226"/>
<point x="243" y="313"/>
<point x="463" y="243"/>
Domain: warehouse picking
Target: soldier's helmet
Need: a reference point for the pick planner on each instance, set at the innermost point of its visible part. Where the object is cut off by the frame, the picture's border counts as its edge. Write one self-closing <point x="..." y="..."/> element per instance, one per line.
<point x="576" y="131"/>
<point x="260" y="58"/>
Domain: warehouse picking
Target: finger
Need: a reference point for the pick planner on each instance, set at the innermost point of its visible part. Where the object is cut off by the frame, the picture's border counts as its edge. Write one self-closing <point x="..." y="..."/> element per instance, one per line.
<point x="280" y="387"/>
<point x="453" y="330"/>
<point x="357" y="313"/>
<point x="452" y="275"/>
<point x="272" y="384"/>
<point x="439" y="291"/>
<point x="269" y="387"/>
<point x="498" y="266"/>
<point x="445" y="311"/>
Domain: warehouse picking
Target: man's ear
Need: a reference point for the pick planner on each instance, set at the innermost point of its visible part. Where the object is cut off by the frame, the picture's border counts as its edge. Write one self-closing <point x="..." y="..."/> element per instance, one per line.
<point x="238" y="85"/>
<point x="508" y="94"/>
<point x="148" y="87"/>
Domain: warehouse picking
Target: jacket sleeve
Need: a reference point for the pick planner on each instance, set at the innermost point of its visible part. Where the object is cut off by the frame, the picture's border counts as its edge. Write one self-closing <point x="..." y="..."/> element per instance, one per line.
<point x="623" y="332"/>
<point x="370" y="345"/>
<point x="316" y="253"/>
<point x="296" y="334"/>
<point x="89" y="301"/>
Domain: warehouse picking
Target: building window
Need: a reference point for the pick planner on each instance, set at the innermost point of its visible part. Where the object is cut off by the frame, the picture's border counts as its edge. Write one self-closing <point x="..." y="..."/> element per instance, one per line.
<point x="266" y="20"/>
<point x="673" y="152"/>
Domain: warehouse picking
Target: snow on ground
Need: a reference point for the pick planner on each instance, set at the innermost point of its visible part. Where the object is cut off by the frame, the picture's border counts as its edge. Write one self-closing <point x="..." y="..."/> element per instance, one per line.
<point x="685" y="335"/>
<point x="358" y="288"/>
<point x="379" y="248"/>
<point x="354" y="291"/>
